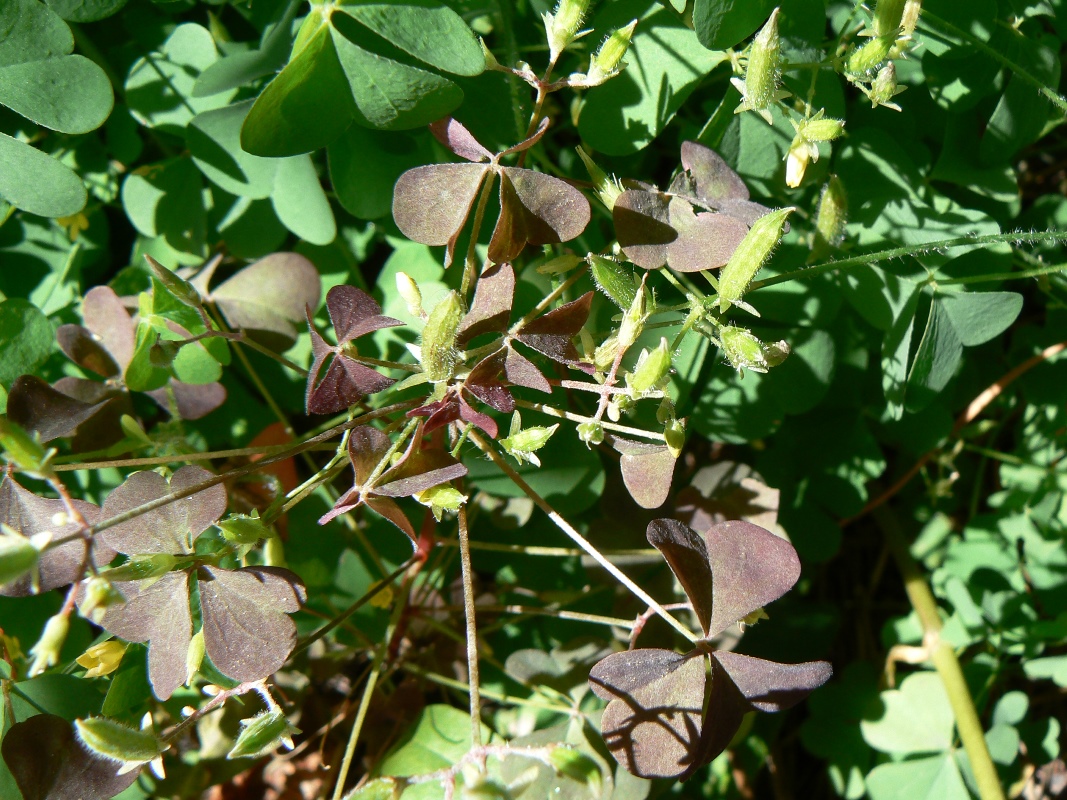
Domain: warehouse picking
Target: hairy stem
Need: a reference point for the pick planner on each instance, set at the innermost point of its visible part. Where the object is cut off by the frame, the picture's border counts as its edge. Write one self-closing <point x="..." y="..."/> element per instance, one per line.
<point x="472" y="629"/>
<point x="552" y="411"/>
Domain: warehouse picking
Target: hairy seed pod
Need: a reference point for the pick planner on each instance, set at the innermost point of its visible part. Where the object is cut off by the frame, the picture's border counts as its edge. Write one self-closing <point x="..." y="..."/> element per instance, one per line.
<point x="762" y="74"/>
<point x="749" y="256"/>
<point x="439" y="338"/>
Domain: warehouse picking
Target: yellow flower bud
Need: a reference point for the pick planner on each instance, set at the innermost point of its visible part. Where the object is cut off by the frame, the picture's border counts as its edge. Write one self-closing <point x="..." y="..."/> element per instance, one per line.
<point x="46" y="652"/>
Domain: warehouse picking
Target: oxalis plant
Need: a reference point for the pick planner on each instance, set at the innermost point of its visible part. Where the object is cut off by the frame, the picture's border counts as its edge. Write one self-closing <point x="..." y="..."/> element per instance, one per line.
<point x="238" y="477"/>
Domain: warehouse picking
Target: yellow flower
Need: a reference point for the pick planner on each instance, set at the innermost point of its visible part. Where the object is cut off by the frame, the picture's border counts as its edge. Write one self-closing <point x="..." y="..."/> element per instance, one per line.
<point x="103" y="658"/>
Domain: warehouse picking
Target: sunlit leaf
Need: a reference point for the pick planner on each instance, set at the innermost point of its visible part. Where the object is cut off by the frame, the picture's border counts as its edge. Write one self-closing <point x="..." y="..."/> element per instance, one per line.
<point x="687" y="555"/>
<point x="647" y="470"/>
<point x="551" y="333"/>
<point x="490" y="310"/>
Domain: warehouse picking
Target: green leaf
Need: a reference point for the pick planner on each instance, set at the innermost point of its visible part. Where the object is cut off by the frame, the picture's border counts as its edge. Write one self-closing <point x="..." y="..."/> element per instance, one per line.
<point x="214" y="139"/>
<point x="26" y="339"/>
<point x="936" y="360"/>
<point x="31" y="32"/>
<point x="116" y="741"/>
<point x="665" y="64"/>
<point x="377" y="789"/>
<point x="1052" y="668"/>
<point x="237" y="69"/>
<point x="365" y="165"/>
<point x="17" y="557"/>
<point x="70" y="94"/>
<point x="35" y="182"/>
<point x="440" y="736"/>
<point x="85" y="10"/>
<point x="720" y="24"/>
<point x="300" y="202"/>
<point x="166" y="200"/>
<point x="917" y="718"/>
<point x="577" y="765"/>
<point x="159" y="88"/>
<point x="978" y="317"/>
<point x="936" y="778"/>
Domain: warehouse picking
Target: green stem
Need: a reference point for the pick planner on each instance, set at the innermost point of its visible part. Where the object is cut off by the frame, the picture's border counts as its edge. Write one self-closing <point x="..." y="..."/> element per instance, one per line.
<point x="470" y="263"/>
<point x="1045" y="269"/>
<point x="472" y="629"/>
<point x="1017" y="237"/>
<point x="611" y="426"/>
<point x="578" y="539"/>
<point x="498" y="697"/>
<point x="180" y="458"/>
<point x="943" y="657"/>
<point x="996" y="55"/>
<point x="364" y="701"/>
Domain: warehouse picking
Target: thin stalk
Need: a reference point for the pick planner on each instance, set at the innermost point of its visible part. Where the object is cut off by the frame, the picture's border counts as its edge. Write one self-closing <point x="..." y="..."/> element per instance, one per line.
<point x="498" y="697"/>
<point x="180" y="458"/>
<point x="364" y="701"/>
<point x="1033" y="272"/>
<point x="943" y="657"/>
<point x="842" y="264"/>
<point x="996" y="55"/>
<point x="611" y="426"/>
<point x="577" y="616"/>
<point x="578" y="539"/>
<point x="470" y="262"/>
<point x="472" y="629"/>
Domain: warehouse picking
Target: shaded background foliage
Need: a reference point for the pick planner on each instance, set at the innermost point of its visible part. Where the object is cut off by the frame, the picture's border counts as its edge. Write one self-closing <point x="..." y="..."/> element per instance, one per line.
<point x="182" y="130"/>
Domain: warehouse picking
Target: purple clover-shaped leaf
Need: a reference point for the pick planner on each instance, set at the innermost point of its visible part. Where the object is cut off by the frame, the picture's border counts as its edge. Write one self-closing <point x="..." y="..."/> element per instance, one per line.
<point x="647" y="470"/>
<point x="28" y="515"/>
<point x="490" y="310"/>
<point x="157" y="613"/>
<point x="551" y="334"/>
<point x="48" y="762"/>
<point x="696" y="225"/>
<point x="47" y="411"/>
<point x="247" y="632"/>
<point x="432" y="203"/>
<point x="172" y="528"/>
<point x="655" y="724"/>
<point x="354" y="313"/>
<point x="416" y="471"/>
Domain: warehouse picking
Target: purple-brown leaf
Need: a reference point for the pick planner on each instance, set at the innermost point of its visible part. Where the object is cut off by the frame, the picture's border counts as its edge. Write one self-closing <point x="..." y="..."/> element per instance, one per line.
<point x="750" y="568"/>
<point x="553" y="210"/>
<point x="157" y="614"/>
<point x="247" y="633"/>
<point x="270" y="294"/>
<point x="355" y="313"/>
<point x="51" y="414"/>
<point x="711" y="178"/>
<point x="346" y="381"/>
<point x="551" y="334"/>
<point x="105" y="316"/>
<point x="770" y="686"/>
<point x="455" y="136"/>
<point x="431" y="203"/>
<point x="705" y="240"/>
<point x="647" y="470"/>
<point x="642" y="226"/>
<point x="49" y="763"/>
<point x="172" y="528"/>
<point x="522" y="372"/>
<point x="687" y="554"/>
<point x="491" y="308"/>
<point x="27" y="514"/>
<point x="85" y="350"/>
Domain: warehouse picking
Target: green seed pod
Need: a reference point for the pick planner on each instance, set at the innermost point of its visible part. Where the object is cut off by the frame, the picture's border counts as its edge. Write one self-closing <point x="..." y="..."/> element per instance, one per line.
<point x="633" y="319"/>
<point x="884" y="88"/>
<point x="24" y="451"/>
<point x="523" y="444"/>
<point x="261" y="734"/>
<point x="180" y="288"/>
<point x="820" y="128"/>
<point x="244" y="529"/>
<point x="614" y="280"/>
<point x="742" y="349"/>
<point x="749" y="256"/>
<point x="651" y="370"/>
<point x="763" y="71"/>
<point x="831" y="218"/>
<point x="439" y="338"/>
<point x="17" y="556"/>
<point x="117" y="742"/>
<point x="607" y="188"/>
<point x="562" y="26"/>
<point x="608" y="59"/>
<point x="867" y="58"/>
<point x="887" y="16"/>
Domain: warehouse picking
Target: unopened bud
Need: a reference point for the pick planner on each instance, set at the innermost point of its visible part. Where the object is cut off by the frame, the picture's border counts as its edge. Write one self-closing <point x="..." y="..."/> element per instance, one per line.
<point x="884" y="88"/>
<point x="562" y="26"/>
<point x="439" y="338"/>
<point x="261" y="734"/>
<point x="441" y="498"/>
<point x="523" y="444"/>
<point x="633" y="320"/>
<point x="591" y="433"/>
<point x="163" y="353"/>
<point x="651" y="370"/>
<point x="762" y="74"/>
<point x="606" y="188"/>
<point x="674" y="436"/>
<point x="776" y="352"/>
<point x="749" y="256"/>
<point x="99" y="594"/>
<point x="608" y="59"/>
<point x="867" y="58"/>
<point x="409" y="291"/>
<point x="46" y="652"/>
<point x="17" y="555"/>
<point x="820" y="128"/>
<point x="490" y="60"/>
<point x="194" y="656"/>
<point x="909" y="18"/>
<point x="180" y="288"/>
